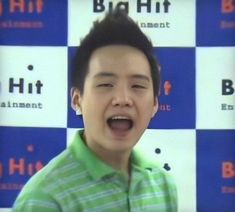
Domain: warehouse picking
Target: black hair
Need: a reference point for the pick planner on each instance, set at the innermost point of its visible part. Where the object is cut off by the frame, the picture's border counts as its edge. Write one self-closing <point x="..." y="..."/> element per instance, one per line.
<point x="116" y="28"/>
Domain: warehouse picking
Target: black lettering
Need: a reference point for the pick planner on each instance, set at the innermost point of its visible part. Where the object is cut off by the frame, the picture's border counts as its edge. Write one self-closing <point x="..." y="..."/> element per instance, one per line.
<point x="123" y="6"/>
<point x="98" y="6"/>
<point x="230" y="107"/>
<point x="223" y="107"/>
<point x="166" y="5"/>
<point x="146" y="4"/>
<point x="22" y="105"/>
<point x="14" y="104"/>
<point x="40" y="105"/>
<point x="39" y="86"/>
<point x="30" y="87"/>
<point x="227" y="87"/>
<point x="150" y="25"/>
<point x="3" y="104"/>
<point x="12" y="85"/>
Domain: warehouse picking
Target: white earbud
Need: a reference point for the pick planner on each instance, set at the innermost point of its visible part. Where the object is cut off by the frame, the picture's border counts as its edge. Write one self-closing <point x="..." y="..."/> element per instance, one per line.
<point x="78" y="111"/>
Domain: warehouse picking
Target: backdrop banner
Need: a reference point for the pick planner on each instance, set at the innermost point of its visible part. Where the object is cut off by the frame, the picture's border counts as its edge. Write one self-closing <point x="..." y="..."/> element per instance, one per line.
<point x="192" y="136"/>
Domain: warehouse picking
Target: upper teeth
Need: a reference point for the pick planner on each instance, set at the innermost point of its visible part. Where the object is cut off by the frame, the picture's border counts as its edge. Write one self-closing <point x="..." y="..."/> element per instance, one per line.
<point x="120" y="117"/>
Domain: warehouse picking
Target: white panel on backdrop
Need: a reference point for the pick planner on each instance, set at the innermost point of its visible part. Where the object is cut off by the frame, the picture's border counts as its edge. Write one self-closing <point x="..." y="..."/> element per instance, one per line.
<point x="33" y="86"/>
<point x="70" y="135"/>
<point x="175" y="149"/>
<point x="162" y="21"/>
<point x="5" y="210"/>
<point x="215" y="88"/>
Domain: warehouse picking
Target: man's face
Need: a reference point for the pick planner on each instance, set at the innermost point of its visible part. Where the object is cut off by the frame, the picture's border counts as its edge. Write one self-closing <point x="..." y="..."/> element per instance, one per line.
<point x="117" y="102"/>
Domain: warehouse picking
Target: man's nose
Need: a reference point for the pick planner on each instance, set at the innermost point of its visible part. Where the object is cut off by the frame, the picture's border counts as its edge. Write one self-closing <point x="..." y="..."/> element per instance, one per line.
<point x="122" y="97"/>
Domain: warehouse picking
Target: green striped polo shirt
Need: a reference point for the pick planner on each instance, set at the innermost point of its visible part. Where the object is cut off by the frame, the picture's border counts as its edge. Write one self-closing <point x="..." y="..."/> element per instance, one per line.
<point x="76" y="180"/>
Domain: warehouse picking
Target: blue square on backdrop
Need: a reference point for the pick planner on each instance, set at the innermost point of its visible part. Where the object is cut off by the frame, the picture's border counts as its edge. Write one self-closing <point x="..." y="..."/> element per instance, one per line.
<point x="73" y="120"/>
<point x="40" y="22"/>
<point x="216" y="170"/>
<point x="23" y="151"/>
<point x="177" y="90"/>
<point x="177" y="95"/>
<point x="215" y="24"/>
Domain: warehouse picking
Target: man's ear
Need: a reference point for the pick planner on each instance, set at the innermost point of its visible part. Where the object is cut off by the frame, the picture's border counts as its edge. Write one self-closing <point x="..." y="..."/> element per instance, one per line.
<point x="75" y="98"/>
<point x="155" y="107"/>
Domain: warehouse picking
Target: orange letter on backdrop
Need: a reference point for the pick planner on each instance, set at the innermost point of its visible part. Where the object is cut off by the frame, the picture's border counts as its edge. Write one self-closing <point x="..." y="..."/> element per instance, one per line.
<point x="228" y="6"/>
<point x="228" y="170"/>
<point x="39" y="6"/>
<point x="1" y="170"/>
<point x="13" y="166"/>
<point x="14" y="4"/>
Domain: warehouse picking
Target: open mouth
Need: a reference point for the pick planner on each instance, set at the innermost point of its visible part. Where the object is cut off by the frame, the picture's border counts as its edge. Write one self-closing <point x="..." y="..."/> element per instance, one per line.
<point x="120" y="123"/>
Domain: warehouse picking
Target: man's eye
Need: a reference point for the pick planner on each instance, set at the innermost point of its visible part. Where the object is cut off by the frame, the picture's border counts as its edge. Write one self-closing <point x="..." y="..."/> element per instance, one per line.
<point x="138" y="86"/>
<point x="105" y="85"/>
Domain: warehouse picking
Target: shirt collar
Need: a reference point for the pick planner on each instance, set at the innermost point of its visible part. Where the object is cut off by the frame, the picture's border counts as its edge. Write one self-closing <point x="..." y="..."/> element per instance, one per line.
<point x="141" y="163"/>
<point x="95" y="166"/>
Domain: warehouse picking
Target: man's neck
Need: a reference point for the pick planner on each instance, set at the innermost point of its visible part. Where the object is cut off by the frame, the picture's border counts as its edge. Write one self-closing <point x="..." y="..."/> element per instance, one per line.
<point x="118" y="160"/>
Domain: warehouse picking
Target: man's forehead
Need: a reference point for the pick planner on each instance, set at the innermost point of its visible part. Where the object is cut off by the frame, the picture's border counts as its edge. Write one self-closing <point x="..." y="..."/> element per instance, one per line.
<point x="115" y="75"/>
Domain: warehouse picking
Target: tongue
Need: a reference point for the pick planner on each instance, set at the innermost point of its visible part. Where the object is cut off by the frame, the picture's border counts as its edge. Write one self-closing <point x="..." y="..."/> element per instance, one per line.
<point x="120" y="125"/>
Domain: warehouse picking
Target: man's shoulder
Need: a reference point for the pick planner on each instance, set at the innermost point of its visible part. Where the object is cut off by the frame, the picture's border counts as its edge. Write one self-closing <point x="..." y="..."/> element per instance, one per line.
<point x="52" y="169"/>
<point x="157" y="172"/>
<point x="54" y="174"/>
<point x="46" y="185"/>
<point x="166" y="184"/>
<point x="160" y="173"/>
<point x="159" y="178"/>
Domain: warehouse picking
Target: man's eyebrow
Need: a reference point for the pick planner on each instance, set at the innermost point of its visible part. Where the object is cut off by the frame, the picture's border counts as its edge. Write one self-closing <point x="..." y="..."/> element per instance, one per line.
<point x="140" y="76"/>
<point x="104" y="74"/>
<point x="110" y="74"/>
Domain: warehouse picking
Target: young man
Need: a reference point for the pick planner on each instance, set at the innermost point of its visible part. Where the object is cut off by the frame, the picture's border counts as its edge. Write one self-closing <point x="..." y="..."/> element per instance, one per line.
<point x="115" y="87"/>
